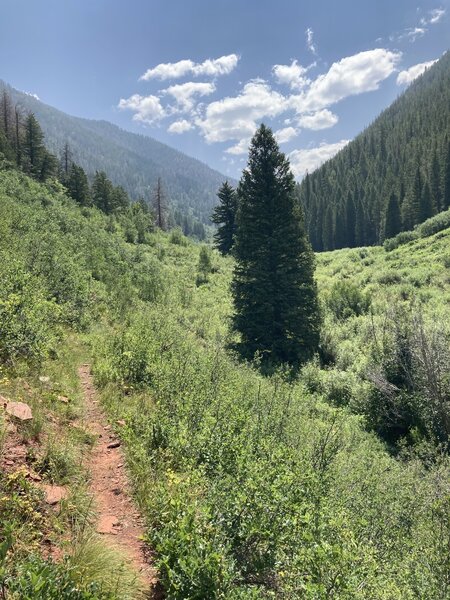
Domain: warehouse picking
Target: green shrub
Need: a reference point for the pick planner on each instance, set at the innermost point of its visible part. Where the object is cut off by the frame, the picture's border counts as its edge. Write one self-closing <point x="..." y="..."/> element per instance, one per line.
<point x="346" y="300"/>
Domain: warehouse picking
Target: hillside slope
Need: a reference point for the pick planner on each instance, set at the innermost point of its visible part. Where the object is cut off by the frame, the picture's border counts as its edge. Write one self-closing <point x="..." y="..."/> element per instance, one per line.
<point x="131" y="160"/>
<point x="335" y="484"/>
<point x="403" y="158"/>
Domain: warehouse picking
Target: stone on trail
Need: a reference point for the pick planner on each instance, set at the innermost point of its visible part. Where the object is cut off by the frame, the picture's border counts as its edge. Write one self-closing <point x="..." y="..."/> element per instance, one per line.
<point x="108" y="525"/>
<point x="19" y="410"/>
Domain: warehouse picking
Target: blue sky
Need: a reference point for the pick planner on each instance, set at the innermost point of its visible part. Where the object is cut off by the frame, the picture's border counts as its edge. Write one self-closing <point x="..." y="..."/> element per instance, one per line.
<point x="201" y="74"/>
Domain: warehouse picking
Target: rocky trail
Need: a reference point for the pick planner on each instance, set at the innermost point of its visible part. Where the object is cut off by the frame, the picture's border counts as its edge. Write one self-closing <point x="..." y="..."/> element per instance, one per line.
<point x="118" y="520"/>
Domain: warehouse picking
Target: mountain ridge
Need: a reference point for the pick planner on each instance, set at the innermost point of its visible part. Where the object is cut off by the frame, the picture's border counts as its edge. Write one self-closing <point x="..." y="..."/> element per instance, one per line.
<point x="132" y="160"/>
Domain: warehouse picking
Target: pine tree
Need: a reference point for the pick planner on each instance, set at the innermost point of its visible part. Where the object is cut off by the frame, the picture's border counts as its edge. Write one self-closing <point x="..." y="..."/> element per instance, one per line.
<point x="392" y="218"/>
<point x="446" y="180"/>
<point x="224" y="216"/>
<point x="65" y="162"/>
<point x="78" y="185"/>
<point x="33" y="147"/>
<point x="435" y="183"/>
<point x="102" y="192"/>
<point x="274" y="293"/>
<point x="426" y="206"/>
<point x="160" y="206"/>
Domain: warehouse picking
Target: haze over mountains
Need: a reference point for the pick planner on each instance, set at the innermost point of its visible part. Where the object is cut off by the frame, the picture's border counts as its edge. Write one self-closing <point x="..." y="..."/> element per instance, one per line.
<point x="131" y="160"/>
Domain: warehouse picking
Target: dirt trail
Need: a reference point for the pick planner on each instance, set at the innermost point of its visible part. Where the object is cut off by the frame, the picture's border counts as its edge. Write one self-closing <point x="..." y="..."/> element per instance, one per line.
<point x="118" y="520"/>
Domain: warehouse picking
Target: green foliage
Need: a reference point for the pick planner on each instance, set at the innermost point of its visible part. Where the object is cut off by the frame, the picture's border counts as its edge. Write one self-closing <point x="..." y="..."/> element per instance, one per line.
<point x="274" y="293"/>
<point x="224" y="215"/>
<point x="429" y="227"/>
<point x="177" y="237"/>
<point x="347" y="300"/>
<point x="204" y="266"/>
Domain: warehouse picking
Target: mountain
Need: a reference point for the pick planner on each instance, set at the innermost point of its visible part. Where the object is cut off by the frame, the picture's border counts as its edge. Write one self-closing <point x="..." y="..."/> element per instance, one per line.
<point x="131" y="160"/>
<point x="392" y="176"/>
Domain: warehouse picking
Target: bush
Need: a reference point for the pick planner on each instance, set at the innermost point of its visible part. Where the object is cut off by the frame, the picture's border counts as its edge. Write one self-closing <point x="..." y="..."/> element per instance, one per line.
<point x="27" y="318"/>
<point x="177" y="237"/>
<point x="347" y="300"/>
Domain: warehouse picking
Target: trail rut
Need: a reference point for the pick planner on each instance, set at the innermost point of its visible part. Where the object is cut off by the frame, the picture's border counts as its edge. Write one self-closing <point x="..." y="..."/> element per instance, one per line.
<point x="118" y="520"/>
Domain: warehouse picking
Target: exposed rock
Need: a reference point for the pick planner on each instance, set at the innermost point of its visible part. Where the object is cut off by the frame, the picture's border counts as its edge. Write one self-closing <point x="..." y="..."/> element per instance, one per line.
<point x="112" y="445"/>
<point x="54" y="494"/>
<point x="121" y="422"/>
<point x="108" y="525"/>
<point x="19" y="410"/>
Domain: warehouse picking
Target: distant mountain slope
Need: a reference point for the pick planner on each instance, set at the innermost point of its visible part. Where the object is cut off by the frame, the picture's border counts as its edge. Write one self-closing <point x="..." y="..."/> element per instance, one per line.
<point x="394" y="175"/>
<point x="131" y="160"/>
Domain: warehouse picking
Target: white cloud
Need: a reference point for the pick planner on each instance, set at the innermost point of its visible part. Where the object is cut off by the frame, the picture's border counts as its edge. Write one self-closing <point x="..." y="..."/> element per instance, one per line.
<point x="322" y="119"/>
<point x="413" y="33"/>
<point x="236" y="118"/>
<point x="147" y="109"/>
<point x="362" y="72"/>
<point x="286" y="134"/>
<point x="210" y="67"/>
<point x="291" y="75"/>
<point x="436" y="15"/>
<point x="240" y="148"/>
<point x="308" y="159"/>
<point x="185" y="93"/>
<point x="310" y="41"/>
<point x="180" y="126"/>
<point x="405" y="77"/>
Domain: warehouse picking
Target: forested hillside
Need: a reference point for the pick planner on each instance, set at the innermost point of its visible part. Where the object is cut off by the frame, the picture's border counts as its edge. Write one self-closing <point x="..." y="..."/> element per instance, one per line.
<point x="133" y="161"/>
<point x="334" y="484"/>
<point x="392" y="176"/>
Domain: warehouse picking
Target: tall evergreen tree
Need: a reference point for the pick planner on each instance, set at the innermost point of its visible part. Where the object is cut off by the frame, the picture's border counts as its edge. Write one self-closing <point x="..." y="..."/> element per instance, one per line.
<point x="274" y="293"/>
<point x="224" y="216"/>
<point x="102" y="192"/>
<point x="78" y="185"/>
<point x="435" y="183"/>
<point x="33" y="147"/>
<point x="446" y="179"/>
<point x="160" y="205"/>
<point x="426" y="205"/>
<point x="392" y="218"/>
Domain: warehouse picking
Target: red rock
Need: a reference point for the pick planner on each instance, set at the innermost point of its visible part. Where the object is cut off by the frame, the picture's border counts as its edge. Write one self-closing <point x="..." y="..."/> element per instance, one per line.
<point x="19" y="410"/>
<point x="54" y="494"/>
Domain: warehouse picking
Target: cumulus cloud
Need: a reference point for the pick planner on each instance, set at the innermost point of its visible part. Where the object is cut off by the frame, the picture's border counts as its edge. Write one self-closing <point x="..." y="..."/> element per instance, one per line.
<point x="362" y="72"/>
<point x="210" y="67"/>
<point x="405" y="77"/>
<point x="286" y="134"/>
<point x="240" y="148"/>
<point x="310" y="41"/>
<point x="291" y="75"/>
<point x="180" y="126"/>
<point x="147" y="109"/>
<point x="322" y="119"/>
<point x="309" y="159"/>
<point x="185" y="93"/>
<point x="236" y="118"/>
